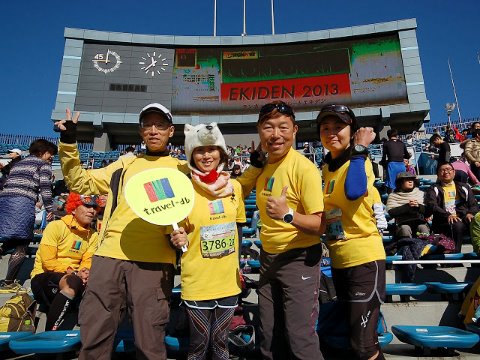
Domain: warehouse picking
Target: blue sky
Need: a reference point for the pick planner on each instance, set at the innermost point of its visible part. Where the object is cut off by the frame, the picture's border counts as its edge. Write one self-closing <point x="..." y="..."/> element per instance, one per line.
<point x="32" y="41"/>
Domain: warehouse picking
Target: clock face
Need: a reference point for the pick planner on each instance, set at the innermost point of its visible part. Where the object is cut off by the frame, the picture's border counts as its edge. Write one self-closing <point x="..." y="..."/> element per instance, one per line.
<point x="108" y="62"/>
<point x="153" y="64"/>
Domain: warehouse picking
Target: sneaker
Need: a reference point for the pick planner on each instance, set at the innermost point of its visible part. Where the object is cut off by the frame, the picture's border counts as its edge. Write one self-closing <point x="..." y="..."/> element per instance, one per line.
<point x="6" y="288"/>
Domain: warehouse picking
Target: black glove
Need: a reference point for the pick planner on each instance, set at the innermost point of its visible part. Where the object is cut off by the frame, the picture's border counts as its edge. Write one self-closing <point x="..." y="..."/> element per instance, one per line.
<point x="69" y="135"/>
<point x="258" y="159"/>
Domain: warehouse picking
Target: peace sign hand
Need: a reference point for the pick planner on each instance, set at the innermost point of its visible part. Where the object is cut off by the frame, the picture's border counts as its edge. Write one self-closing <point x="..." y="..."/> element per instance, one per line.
<point x="277" y="206"/>
<point x="68" y="127"/>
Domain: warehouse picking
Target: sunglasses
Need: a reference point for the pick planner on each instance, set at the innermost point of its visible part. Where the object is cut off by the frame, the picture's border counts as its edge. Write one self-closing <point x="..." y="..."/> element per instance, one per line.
<point x="90" y="201"/>
<point x="282" y="108"/>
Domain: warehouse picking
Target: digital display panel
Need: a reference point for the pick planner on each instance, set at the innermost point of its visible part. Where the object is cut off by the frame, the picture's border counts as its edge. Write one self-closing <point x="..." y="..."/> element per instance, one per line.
<point x="363" y="71"/>
<point x="123" y="78"/>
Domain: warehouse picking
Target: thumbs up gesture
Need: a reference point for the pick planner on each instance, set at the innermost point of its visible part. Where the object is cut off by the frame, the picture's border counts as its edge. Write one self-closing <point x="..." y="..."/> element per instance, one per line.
<point x="277" y="206"/>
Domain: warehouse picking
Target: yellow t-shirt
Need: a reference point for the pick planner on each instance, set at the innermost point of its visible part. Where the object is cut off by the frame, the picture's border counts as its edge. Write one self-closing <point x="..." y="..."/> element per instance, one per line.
<point x="74" y="246"/>
<point x="210" y="267"/>
<point x="352" y="234"/>
<point x="450" y="195"/>
<point x="304" y="195"/>
<point x="123" y="234"/>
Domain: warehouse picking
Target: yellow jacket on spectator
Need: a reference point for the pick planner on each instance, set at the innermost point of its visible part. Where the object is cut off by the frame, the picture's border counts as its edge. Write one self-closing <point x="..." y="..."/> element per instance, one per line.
<point x="65" y="244"/>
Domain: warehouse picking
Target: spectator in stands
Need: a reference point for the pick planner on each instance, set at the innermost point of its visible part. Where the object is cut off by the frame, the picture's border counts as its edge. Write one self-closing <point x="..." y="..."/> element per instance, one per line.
<point x="15" y="155"/>
<point x="28" y="179"/>
<point x="443" y="149"/>
<point x="290" y="202"/>
<point x="474" y="126"/>
<point x="63" y="259"/>
<point x="463" y="173"/>
<point x="133" y="267"/>
<point x="307" y="151"/>
<point x="472" y="152"/>
<point x="406" y="205"/>
<point x="394" y="151"/>
<point x="409" y="168"/>
<point x="210" y="277"/>
<point x="452" y="205"/>
<point x="236" y="171"/>
<point x="358" y="270"/>
<point x="129" y="151"/>
<point x="449" y="136"/>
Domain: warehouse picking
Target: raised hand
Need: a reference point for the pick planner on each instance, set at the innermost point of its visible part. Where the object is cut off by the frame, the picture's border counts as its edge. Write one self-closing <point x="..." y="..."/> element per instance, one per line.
<point x="364" y="136"/>
<point x="277" y="206"/>
<point x="68" y="117"/>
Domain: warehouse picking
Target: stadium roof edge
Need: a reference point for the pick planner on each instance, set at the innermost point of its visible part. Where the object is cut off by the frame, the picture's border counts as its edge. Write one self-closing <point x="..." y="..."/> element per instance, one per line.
<point x="383" y="27"/>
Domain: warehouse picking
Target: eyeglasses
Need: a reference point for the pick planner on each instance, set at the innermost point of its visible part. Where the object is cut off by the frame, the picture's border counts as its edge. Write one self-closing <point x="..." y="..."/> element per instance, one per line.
<point x="339" y="109"/>
<point x="281" y="107"/>
<point x="158" y="125"/>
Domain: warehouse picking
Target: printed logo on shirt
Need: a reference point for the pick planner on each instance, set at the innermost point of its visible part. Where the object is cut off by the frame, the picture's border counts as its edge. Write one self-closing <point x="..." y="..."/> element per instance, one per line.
<point x="77" y="244"/>
<point x="216" y="207"/>
<point x="159" y="190"/>
<point x="269" y="184"/>
<point x="330" y="186"/>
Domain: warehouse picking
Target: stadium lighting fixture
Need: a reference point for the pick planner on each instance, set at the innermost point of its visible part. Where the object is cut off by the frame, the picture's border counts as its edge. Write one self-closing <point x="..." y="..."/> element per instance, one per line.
<point x="449" y="107"/>
<point x="244" y="33"/>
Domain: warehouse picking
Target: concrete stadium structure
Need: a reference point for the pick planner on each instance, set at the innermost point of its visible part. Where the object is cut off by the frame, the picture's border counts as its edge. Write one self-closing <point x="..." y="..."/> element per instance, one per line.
<point x="110" y="76"/>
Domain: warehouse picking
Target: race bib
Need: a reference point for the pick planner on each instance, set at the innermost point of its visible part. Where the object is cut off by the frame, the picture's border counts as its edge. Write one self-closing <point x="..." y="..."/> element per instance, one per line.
<point x="334" y="225"/>
<point x="217" y="240"/>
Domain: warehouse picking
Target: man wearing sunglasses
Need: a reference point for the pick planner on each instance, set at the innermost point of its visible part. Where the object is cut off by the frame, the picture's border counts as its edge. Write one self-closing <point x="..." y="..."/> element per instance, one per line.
<point x="133" y="267"/>
<point x="63" y="259"/>
<point x="290" y="202"/>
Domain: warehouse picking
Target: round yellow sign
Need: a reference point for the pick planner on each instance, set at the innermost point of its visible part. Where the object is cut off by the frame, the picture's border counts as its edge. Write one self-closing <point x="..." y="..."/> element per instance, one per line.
<point x="162" y="196"/>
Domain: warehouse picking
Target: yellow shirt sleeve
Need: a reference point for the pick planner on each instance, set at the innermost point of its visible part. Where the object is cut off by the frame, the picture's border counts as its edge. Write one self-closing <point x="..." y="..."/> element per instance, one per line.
<point x="49" y="259"/>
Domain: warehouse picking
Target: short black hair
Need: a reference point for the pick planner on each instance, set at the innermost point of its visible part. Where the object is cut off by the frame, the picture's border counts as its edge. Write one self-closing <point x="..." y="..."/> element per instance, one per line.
<point x="391" y="133"/>
<point x="435" y="137"/>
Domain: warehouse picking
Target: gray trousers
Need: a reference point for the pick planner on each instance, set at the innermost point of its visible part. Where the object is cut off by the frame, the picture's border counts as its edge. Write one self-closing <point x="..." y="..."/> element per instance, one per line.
<point x="288" y="304"/>
<point x="407" y="231"/>
<point x="114" y="286"/>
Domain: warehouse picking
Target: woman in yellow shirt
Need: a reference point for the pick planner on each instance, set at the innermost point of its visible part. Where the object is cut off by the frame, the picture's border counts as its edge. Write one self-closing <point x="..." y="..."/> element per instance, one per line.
<point x="356" y="249"/>
<point x="210" y="267"/>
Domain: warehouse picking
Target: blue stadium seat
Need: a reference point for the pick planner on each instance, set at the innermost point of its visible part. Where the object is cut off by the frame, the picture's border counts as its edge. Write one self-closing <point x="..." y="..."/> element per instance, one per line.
<point x="404" y="290"/>
<point x="247" y="243"/>
<point x="176" y="345"/>
<point x="448" y="290"/>
<point x="258" y="243"/>
<point x="392" y="258"/>
<point x="48" y="342"/>
<point x="254" y="264"/>
<point x="435" y="336"/>
<point x="455" y="256"/>
<point x="6" y="337"/>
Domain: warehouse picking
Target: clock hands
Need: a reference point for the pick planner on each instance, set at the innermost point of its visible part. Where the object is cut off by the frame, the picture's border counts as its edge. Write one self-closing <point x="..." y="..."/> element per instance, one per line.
<point x="154" y="62"/>
<point x="108" y="53"/>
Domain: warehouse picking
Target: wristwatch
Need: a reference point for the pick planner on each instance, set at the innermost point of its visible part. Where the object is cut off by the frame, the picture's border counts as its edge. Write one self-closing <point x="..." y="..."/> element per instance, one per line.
<point x="359" y="150"/>
<point x="288" y="217"/>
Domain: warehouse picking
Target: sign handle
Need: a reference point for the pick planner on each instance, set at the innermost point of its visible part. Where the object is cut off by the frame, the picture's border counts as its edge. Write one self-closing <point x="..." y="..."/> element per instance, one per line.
<point x="184" y="247"/>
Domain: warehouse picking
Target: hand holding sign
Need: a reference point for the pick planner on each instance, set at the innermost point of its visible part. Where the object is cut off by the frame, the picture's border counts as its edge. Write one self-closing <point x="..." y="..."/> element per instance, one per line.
<point x="162" y="196"/>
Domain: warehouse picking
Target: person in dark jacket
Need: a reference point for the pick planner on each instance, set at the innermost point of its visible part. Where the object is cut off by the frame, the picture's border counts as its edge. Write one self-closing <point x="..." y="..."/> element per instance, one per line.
<point x="394" y="151"/>
<point x="443" y="149"/>
<point x="406" y="205"/>
<point x="452" y="205"/>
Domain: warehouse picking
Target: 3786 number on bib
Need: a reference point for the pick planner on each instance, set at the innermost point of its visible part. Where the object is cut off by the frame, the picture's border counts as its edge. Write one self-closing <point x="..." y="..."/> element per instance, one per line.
<point x="217" y="240"/>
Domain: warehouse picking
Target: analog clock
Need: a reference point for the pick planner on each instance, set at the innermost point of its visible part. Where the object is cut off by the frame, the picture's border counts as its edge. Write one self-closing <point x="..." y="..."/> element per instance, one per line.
<point x="153" y="64"/>
<point x="108" y="62"/>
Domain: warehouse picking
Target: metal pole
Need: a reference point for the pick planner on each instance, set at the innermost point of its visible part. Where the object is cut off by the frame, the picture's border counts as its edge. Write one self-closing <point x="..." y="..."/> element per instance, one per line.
<point x="405" y="262"/>
<point x="454" y="91"/>
<point x="214" y="17"/>
<point x="273" y="20"/>
<point x="244" y="33"/>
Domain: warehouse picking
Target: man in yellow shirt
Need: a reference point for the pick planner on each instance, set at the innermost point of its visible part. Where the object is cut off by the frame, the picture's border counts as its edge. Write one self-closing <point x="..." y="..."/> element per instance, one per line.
<point x="134" y="265"/>
<point x="64" y="258"/>
<point x="290" y="202"/>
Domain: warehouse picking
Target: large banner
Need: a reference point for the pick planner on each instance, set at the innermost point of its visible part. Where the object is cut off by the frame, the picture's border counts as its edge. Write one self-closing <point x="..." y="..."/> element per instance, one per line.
<point x="238" y="79"/>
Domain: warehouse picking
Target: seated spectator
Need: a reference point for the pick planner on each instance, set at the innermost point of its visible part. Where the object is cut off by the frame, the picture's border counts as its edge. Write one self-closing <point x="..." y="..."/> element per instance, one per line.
<point x="63" y="259"/>
<point x="236" y="171"/>
<point x="409" y="167"/>
<point x="405" y="204"/>
<point x="472" y="152"/>
<point x="452" y="205"/>
<point x="463" y="173"/>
